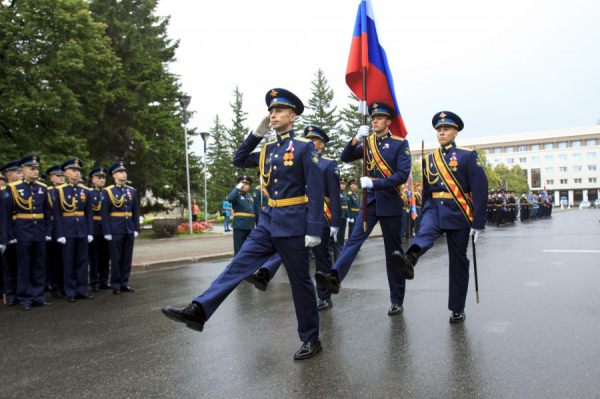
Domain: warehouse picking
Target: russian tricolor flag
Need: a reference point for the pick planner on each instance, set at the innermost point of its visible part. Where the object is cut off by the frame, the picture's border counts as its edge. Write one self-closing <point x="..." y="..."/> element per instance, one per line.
<point x="412" y="200"/>
<point x="366" y="51"/>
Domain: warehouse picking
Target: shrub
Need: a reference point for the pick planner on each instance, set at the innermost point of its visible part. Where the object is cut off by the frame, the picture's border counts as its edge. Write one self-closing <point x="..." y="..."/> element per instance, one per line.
<point x="166" y="228"/>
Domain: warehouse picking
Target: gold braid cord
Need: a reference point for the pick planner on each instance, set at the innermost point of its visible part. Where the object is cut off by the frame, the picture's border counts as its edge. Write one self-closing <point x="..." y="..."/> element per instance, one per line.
<point x="18" y="201"/>
<point x="428" y="173"/>
<point x="72" y="207"/>
<point x="97" y="208"/>
<point x="116" y="203"/>
<point x="261" y="165"/>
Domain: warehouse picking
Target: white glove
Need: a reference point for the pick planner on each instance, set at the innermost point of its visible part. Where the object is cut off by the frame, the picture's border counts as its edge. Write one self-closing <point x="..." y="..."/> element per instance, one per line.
<point x="239" y="186"/>
<point x="108" y="237"/>
<point x="350" y="220"/>
<point x="48" y="238"/>
<point x="333" y="233"/>
<point x="135" y="234"/>
<point x="363" y="132"/>
<point x="2" y="248"/>
<point x="476" y="233"/>
<point x="263" y="128"/>
<point x="90" y="239"/>
<point x="311" y="241"/>
<point x="366" y="182"/>
<point x="13" y="241"/>
<point x="61" y="240"/>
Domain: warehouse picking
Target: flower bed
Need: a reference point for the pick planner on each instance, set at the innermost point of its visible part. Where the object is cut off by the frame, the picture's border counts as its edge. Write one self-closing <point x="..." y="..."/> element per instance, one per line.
<point x="197" y="227"/>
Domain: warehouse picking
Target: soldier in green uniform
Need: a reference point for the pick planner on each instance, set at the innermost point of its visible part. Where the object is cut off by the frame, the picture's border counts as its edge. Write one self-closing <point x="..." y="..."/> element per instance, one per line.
<point x="244" y="219"/>
<point x="341" y="234"/>
<point x="353" y="205"/>
<point x="261" y="199"/>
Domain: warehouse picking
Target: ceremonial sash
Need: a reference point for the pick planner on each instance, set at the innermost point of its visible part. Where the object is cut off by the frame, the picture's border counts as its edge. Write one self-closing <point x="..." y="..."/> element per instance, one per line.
<point x="378" y="160"/>
<point x="457" y="192"/>
<point x="327" y="210"/>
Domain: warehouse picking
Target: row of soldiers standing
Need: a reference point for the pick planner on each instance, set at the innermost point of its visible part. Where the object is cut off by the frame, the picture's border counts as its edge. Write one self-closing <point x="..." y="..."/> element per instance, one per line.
<point x="503" y="208"/>
<point x="62" y="237"/>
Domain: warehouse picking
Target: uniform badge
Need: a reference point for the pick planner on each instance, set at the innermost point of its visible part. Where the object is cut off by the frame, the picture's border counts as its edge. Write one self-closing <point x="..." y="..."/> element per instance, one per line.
<point x="289" y="155"/>
<point x="336" y="170"/>
<point x="478" y="162"/>
<point x="453" y="162"/>
<point x="407" y="151"/>
<point x="40" y="191"/>
<point x="314" y="156"/>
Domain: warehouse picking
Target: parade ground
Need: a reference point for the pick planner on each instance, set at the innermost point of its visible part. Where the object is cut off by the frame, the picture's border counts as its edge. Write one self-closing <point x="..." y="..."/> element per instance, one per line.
<point x="534" y="333"/>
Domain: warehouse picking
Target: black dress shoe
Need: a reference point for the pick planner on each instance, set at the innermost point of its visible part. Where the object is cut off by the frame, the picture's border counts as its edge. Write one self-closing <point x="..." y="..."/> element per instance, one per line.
<point x="86" y="296"/>
<point x="308" y="349"/>
<point x="117" y="291"/>
<point x="457" y="317"/>
<point x="192" y="315"/>
<point x="404" y="264"/>
<point x="41" y="304"/>
<point x="324" y="304"/>
<point x="105" y="286"/>
<point x="11" y="302"/>
<point x="328" y="281"/>
<point x="71" y="299"/>
<point x="26" y="307"/>
<point x="260" y="279"/>
<point x="395" y="309"/>
<point x="95" y="288"/>
<point x="57" y="294"/>
<point x="126" y="288"/>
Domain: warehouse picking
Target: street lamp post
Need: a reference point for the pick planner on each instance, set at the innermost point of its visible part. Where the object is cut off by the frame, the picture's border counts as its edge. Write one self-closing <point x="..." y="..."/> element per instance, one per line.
<point x="506" y="181"/>
<point x="185" y="101"/>
<point x="205" y="136"/>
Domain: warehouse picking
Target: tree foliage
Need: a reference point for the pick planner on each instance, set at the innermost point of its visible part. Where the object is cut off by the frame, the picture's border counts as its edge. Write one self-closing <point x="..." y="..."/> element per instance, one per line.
<point x="222" y="172"/>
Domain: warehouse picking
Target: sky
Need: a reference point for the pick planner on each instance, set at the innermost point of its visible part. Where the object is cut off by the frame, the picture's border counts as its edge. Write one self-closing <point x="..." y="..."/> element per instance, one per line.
<point x="503" y="67"/>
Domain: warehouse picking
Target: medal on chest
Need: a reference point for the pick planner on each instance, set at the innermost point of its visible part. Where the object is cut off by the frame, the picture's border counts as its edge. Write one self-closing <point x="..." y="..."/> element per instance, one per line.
<point x="289" y="154"/>
<point x="453" y="162"/>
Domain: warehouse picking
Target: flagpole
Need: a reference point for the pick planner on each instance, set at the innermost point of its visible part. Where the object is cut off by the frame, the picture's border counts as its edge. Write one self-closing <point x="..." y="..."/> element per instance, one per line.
<point x="364" y="144"/>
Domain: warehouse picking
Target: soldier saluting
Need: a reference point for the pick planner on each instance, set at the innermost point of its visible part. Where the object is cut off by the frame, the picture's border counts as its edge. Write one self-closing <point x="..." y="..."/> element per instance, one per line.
<point x="455" y="203"/>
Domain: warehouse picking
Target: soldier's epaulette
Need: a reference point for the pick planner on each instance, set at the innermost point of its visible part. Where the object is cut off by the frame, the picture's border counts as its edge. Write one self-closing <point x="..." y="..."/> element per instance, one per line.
<point x="464" y="148"/>
<point x="129" y="187"/>
<point x="327" y="158"/>
<point x="15" y="183"/>
<point x="397" y="138"/>
<point x="62" y="185"/>
<point x="109" y="187"/>
<point x="350" y="192"/>
<point x="51" y="188"/>
<point x="302" y="139"/>
<point x="41" y="184"/>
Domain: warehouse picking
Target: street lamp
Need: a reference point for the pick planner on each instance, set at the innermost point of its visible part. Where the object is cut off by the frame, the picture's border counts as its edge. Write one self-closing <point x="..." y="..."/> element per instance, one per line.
<point x="205" y="136"/>
<point x="506" y="181"/>
<point x="185" y="101"/>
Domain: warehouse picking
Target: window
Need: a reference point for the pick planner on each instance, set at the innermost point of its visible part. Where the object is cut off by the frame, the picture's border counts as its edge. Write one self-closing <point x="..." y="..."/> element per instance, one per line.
<point x="510" y="160"/>
<point x="577" y="181"/>
<point x="591" y="167"/>
<point x="536" y="178"/>
<point x="576" y="144"/>
<point x="592" y="180"/>
<point x="550" y="182"/>
<point x="562" y="157"/>
<point x="510" y="149"/>
<point x="535" y="147"/>
<point x="576" y="168"/>
<point x="497" y="150"/>
<point x="487" y="150"/>
<point x="549" y="158"/>
<point x="591" y="143"/>
<point x="498" y="161"/>
<point x="549" y="170"/>
<point x="564" y="181"/>
<point x="535" y="159"/>
<point x="523" y="160"/>
<point x="576" y="156"/>
<point x="562" y="169"/>
<point x="591" y="155"/>
<point x="522" y="148"/>
<point x="548" y="146"/>
<point x="562" y="145"/>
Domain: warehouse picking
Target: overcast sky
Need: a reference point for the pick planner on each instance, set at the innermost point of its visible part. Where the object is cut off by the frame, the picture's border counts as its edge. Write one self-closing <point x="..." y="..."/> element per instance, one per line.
<point x="504" y="67"/>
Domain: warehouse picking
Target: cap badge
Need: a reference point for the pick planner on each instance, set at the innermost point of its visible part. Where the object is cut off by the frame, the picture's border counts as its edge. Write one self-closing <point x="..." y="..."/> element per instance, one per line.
<point x="273" y="93"/>
<point x="76" y="163"/>
<point x="442" y="115"/>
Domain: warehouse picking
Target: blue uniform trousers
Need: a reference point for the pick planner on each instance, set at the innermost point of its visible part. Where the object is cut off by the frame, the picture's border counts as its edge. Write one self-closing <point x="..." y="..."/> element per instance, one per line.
<point x="323" y="262"/>
<point x="99" y="259"/>
<point x="121" y="255"/>
<point x="75" y="261"/>
<point x="11" y="266"/>
<point x="257" y="249"/>
<point x="32" y="271"/>
<point x="392" y="241"/>
<point x="458" y="241"/>
<point x="55" y="260"/>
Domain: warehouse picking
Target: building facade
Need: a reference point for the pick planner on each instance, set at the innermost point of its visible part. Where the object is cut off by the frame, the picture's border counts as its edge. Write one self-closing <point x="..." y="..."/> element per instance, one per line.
<point x="564" y="161"/>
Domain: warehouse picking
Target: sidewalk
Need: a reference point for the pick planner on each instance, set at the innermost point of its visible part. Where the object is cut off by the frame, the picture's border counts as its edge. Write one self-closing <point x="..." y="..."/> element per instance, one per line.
<point x="169" y="252"/>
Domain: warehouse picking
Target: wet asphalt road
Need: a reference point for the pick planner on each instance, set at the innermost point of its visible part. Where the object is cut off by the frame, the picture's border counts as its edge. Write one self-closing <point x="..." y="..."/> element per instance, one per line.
<point x="535" y="334"/>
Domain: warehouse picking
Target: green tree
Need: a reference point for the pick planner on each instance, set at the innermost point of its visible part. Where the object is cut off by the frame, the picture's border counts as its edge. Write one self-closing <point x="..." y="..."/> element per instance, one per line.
<point x="222" y="172"/>
<point x="238" y="132"/>
<point x="322" y="114"/>
<point x="56" y="64"/>
<point x="351" y="121"/>
<point x="513" y="178"/>
<point x="143" y="125"/>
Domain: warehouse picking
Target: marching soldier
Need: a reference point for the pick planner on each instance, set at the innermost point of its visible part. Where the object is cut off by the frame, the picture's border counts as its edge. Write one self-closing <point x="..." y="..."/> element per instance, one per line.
<point x="98" y="249"/>
<point x="74" y="224"/>
<point x="13" y="174"/>
<point x="120" y="226"/>
<point x="332" y="219"/>
<point x="524" y="203"/>
<point x="353" y="206"/>
<point x="261" y="199"/>
<point x="243" y="212"/>
<point x="419" y="204"/>
<point x="405" y="214"/>
<point x="54" y="257"/>
<point x="455" y="203"/>
<point x="389" y="165"/>
<point x="291" y="223"/>
<point x="501" y="209"/>
<point x="26" y="219"/>
<point x="341" y="233"/>
<point x="489" y="208"/>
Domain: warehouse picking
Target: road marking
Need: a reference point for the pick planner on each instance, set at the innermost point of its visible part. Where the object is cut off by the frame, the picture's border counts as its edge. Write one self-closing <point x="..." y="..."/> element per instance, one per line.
<point x="572" y="251"/>
<point x="535" y="283"/>
<point x="497" y="327"/>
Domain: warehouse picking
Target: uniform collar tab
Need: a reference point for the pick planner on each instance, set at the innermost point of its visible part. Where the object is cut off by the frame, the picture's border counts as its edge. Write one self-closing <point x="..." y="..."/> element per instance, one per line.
<point x="281" y="137"/>
<point x="451" y="145"/>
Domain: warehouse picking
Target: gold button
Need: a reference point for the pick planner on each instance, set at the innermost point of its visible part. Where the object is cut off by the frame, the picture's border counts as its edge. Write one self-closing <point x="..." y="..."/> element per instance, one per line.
<point x="274" y="167"/>
<point x="34" y="207"/>
<point x="275" y="181"/>
<point x="276" y="192"/>
<point x="34" y="222"/>
<point x="276" y="155"/>
<point x="77" y="219"/>
<point x="277" y="145"/>
<point x="442" y="202"/>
